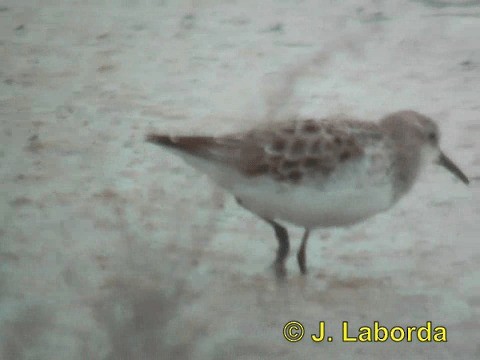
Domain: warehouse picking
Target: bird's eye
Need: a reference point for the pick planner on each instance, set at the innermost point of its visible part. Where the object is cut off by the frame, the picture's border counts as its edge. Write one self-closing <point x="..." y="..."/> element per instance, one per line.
<point x="432" y="137"/>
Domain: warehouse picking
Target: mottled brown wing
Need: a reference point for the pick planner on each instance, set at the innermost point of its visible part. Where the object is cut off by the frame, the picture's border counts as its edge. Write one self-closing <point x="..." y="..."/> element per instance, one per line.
<point x="298" y="149"/>
<point x="289" y="151"/>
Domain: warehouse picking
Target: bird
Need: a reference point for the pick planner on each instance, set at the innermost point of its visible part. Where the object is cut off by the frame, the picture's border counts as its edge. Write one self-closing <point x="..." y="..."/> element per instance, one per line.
<point x="316" y="173"/>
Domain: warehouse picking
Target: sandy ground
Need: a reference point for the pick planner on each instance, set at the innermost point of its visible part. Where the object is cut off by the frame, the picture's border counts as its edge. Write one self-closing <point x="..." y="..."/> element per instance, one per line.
<point x="111" y="248"/>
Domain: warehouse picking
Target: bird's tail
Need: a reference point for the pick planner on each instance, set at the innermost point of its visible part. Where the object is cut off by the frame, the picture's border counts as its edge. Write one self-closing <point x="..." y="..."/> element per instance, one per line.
<point x="206" y="147"/>
<point x="190" y="144"/>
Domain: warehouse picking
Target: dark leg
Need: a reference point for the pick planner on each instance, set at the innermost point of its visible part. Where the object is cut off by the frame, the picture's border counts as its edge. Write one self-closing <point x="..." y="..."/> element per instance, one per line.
<point x="283" y="244"/>
<point x="301" y="257"/>
<point x="283" y="248"/>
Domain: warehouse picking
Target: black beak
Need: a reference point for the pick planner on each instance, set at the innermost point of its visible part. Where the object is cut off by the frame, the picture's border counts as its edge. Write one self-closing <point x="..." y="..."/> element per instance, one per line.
<point x="444" y="161"/>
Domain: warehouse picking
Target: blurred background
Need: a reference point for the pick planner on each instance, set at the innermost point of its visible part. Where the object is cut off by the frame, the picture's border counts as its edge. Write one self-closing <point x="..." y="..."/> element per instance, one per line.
<point x="111" y="248"/>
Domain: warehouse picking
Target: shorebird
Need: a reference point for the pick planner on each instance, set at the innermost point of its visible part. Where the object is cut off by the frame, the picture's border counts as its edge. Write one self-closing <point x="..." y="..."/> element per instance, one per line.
<point x="328" y="172"/>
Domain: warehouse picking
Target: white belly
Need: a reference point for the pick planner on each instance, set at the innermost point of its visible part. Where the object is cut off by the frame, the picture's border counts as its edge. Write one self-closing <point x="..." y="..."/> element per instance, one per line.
<point x="347" y="197"/>
<point x="309" y="207"/>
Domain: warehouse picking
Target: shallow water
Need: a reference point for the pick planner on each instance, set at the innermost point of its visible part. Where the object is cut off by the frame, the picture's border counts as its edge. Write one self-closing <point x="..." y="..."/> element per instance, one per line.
<point x="111" y="248"/>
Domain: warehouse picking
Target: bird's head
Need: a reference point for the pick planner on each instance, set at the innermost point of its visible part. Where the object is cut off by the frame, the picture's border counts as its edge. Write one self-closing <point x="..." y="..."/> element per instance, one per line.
<point x="419" y="133"/>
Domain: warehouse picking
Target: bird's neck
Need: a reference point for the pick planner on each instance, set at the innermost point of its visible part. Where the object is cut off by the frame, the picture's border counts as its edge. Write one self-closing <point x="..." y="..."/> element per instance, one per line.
<point x="407" y="164"/>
